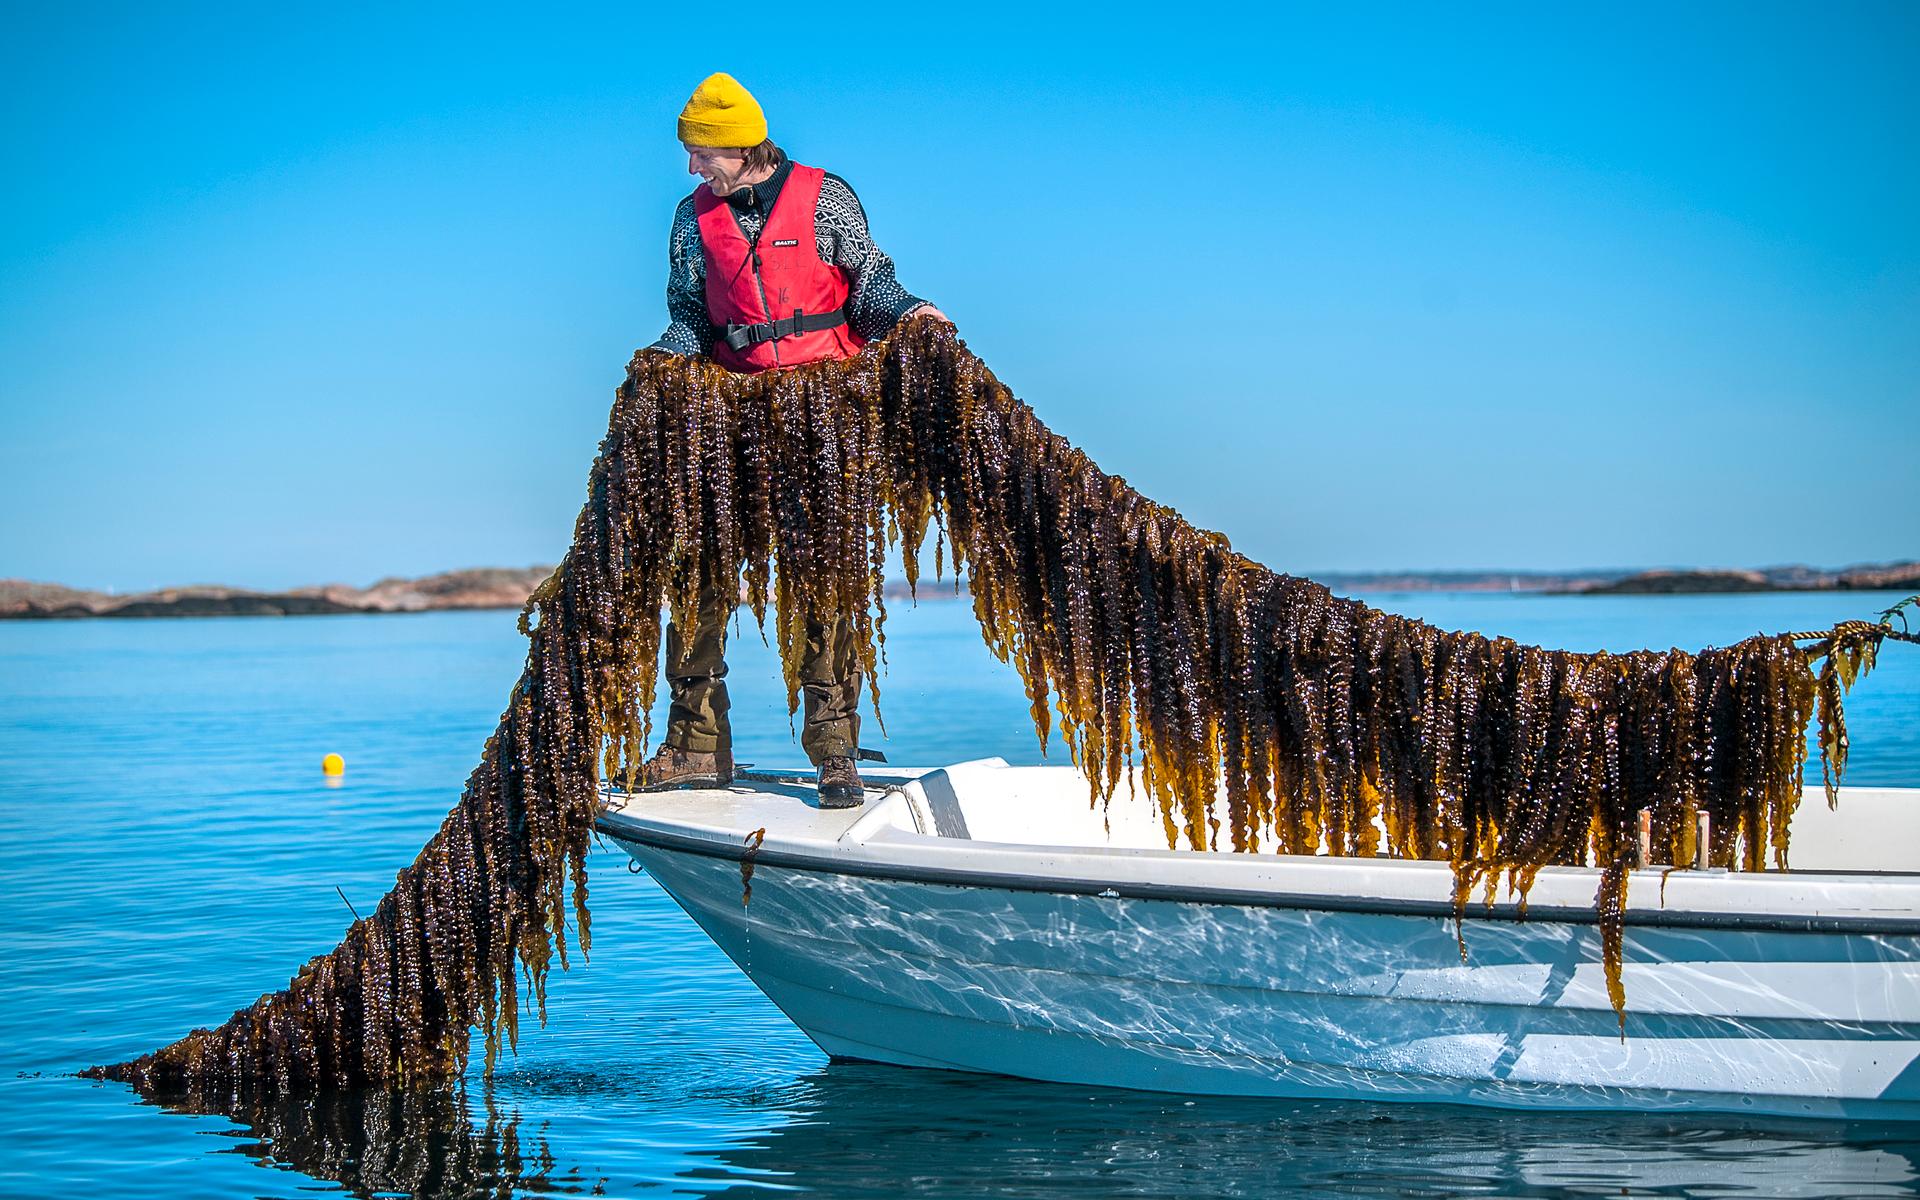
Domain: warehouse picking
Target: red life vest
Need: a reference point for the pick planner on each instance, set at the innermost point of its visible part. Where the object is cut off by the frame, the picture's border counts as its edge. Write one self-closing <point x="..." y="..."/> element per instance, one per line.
<point x="776" y="278"/>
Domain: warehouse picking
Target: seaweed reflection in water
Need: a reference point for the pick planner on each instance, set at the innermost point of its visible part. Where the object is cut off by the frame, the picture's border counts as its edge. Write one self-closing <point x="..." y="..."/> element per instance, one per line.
<point x="853" y="1130"/>
<point x="410" y="1142"/>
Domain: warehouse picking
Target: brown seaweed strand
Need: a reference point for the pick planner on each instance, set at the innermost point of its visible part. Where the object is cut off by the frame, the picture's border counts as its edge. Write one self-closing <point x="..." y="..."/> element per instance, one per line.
<point x="1300" y="717"/>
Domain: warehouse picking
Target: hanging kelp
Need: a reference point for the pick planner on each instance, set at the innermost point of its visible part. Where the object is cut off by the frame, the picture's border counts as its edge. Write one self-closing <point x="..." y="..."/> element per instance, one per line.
<point x="393" y="1004"/>
<point x="1258" y="710"/>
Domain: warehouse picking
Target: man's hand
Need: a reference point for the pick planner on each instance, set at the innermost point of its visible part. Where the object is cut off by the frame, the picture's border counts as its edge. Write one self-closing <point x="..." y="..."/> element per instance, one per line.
<point x="650" y="356"/>
<point x="928" y="310"/>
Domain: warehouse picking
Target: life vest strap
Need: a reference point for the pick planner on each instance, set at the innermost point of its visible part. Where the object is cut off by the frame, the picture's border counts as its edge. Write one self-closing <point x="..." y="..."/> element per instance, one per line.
<point x="741" y="336"/>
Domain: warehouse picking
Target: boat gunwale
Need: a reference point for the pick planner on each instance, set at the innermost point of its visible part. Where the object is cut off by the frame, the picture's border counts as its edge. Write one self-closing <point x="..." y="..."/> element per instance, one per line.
<point x="623" y="827"/>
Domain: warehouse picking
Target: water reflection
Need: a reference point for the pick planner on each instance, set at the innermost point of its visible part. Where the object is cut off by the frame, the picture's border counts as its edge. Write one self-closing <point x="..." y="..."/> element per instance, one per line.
<point x="860" y="1130"/>
<point x="854" y="1130"/>
<point x="422" y="1143"/>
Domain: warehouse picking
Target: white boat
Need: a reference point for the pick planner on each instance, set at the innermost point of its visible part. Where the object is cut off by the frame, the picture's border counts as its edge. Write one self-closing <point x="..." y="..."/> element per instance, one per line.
<point x="982" y="917"/>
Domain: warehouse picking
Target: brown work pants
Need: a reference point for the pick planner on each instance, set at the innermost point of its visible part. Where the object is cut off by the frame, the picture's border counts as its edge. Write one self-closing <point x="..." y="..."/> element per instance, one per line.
<point x="697" y="681"/>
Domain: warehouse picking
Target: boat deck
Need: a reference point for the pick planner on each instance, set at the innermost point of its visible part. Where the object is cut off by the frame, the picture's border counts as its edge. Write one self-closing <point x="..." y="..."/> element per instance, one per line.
<point x="1033" y="828"/>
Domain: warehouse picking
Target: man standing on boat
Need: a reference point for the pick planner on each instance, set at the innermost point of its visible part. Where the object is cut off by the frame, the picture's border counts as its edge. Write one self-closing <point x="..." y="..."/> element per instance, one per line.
<point x="771" y="265"/>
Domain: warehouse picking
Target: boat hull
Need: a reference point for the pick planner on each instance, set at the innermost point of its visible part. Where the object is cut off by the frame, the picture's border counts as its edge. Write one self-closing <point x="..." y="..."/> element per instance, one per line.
<point x="1291" y="1000"/>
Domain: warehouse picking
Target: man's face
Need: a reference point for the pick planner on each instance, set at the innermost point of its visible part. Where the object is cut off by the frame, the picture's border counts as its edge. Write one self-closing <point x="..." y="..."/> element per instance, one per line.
<point x="721" y="168"/>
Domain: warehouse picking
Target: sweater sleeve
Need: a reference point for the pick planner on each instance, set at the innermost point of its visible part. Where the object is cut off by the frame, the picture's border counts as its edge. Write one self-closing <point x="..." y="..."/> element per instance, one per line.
<point x="688" y="330"/>
<point x="875" y="299"/>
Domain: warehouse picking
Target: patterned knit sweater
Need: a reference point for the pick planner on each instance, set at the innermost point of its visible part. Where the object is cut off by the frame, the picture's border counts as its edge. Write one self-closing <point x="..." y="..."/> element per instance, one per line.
<point x="875" y="299"/>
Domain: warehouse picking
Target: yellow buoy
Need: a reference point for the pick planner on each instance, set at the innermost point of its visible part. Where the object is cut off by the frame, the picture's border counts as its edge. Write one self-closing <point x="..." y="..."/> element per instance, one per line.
<point x="333" y="764"/>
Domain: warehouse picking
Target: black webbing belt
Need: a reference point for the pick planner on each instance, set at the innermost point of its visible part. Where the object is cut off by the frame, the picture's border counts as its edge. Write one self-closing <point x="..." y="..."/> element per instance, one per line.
<point x="741" y="336"/>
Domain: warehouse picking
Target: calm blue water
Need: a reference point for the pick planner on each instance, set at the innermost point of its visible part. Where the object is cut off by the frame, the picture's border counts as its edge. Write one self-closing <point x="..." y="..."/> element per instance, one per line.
<point x="168" y="852"/>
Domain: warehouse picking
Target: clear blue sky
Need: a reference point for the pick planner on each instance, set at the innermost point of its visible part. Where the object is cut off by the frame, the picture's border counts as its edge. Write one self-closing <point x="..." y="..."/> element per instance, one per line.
<point x="303" y="293"/>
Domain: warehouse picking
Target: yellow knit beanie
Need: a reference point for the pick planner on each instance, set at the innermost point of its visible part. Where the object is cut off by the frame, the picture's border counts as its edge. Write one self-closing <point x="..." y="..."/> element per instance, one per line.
<point x="722" y="113"/>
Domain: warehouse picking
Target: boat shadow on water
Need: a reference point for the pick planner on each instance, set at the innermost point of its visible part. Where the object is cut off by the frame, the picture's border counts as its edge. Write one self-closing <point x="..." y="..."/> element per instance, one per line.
<point x="856" y="1129"/>
<point x="861" y="1129"/>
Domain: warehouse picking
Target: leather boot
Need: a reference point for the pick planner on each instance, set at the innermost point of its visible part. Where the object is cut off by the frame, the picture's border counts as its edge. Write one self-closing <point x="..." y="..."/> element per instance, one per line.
<point x="839" y="784"/>
<point x="672" y="767"/>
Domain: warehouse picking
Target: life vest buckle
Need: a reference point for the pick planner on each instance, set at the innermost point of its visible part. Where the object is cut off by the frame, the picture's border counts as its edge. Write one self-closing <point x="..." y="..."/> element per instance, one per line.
<point x="739" y="337"/>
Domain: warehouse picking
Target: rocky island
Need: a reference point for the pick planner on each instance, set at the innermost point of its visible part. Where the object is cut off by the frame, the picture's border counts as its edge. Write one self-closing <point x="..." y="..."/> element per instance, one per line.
<point x="473" y="588"/>
<point x="1901" y="576"/>
<point x="483" y="587"/>
<point x="509" y="587"/>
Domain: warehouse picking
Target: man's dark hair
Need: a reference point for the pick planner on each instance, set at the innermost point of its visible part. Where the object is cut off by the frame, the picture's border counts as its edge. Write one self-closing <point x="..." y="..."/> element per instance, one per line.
<point x="765" y="156"/>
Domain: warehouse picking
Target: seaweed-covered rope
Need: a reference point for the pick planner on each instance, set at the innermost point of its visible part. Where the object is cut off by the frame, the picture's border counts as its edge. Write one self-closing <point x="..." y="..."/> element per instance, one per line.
<point x="1257" y="710"/>
<point x="1844" y="653"/>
